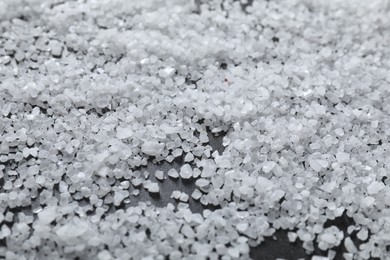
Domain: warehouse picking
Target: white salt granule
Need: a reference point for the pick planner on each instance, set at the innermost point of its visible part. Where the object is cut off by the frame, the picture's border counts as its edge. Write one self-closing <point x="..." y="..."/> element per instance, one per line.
<point x="233" y="252"/>
<point x="342" y="157"/>
<point x="152" y="147"/>
<point x="104" y="255"/>
<point x="176" y="194"/>
<point x="263" y="184"/>
<point x="183" y="197"/>
<point x="202" y="182"/>
<point x="159" y="175"/>
<point x="173" y="173"/>
<point x="196" y="194"/>
<point x="123" y="132"/>
<point x="136" y="182"/>
<point x="317" y="164"/>
<point x="375" y="187"/>
<point x="186" y="171"/>
<point x="56" y="48"/>
<point x="292" y="236"/>
<point x="242" y="227"/>
<point x="268" y="166"/>
<point x="47" y="215"/>
<point x="317" y="257"/>
<point x="72" y="230"/>
<point x="362" y="234"/>
<point x="349" y="245"/>
<point x="166" y="72"/>
<point x="189" y="157"/>
<point x="152" y="187"/>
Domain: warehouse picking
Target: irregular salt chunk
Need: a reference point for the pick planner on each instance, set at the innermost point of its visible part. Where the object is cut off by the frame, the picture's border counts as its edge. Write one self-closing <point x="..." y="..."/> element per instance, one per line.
<point x="317" y="257"/>
<point x="242" y="227"/>
<point x="176" y="194"/>
<point x="315" y="164"/>
<point x="362" y="234"/>
<point x="72" y="230"/>
<point x="263" y="184"/>
<point x="375" y="187"/>
<point x="26" y="152"/>
<point x="326" y="52"/>
<point x="152" y="147"/>
<point x="104" y="255"/>
<point x="173" y="173"/>
<point x="47" y="215"/>
<point x="268" y="166"/>
<point x="120" y="196"/>
<point x="136" y="182"/>
<point x="349" y="245"/>
<point x="19" y="56"/>
<point x="56" y="48"/>
<point x="166" y="72"/>
<point x="159" y="175"/>
<point x="202" y="182"/>
<point x="342" y="157"/>
<point x="153" y="187"/>
<point x="123" y="132"/>
<point x="183" y="197"/>
<point x="339" y="132"/>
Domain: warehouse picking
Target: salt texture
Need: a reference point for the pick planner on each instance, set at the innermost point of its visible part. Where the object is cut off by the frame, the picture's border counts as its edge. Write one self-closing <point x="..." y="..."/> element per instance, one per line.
<point x="91" y="92"/>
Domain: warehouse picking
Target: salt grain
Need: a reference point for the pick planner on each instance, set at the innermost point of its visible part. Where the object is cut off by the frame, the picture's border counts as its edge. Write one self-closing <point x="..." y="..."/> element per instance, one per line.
<point x="186" y="171"/>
